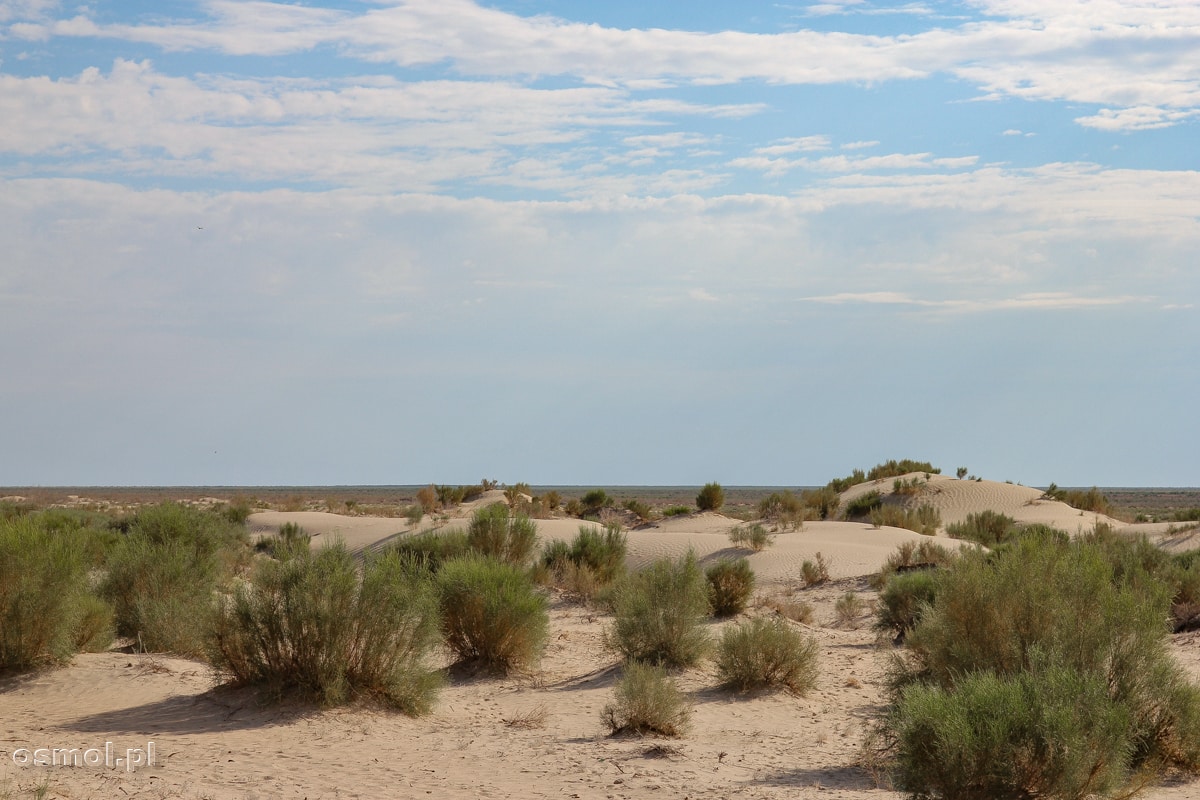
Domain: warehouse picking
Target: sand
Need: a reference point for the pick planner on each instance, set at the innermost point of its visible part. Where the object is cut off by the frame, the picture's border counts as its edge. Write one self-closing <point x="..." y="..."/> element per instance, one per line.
<point x="529" y="736"/>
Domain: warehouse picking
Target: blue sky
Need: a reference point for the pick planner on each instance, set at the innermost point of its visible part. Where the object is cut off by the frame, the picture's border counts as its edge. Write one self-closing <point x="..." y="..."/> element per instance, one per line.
<point x="573" y="242"/>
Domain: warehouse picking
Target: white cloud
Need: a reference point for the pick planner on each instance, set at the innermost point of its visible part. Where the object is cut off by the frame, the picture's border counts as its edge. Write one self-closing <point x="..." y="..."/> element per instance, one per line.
<point x="1038" y="301"/>
<point x="1119" y="56"/>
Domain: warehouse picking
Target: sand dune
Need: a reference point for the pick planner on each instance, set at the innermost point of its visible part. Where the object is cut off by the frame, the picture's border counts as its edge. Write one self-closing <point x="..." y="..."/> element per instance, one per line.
<point x="224" y="745"/>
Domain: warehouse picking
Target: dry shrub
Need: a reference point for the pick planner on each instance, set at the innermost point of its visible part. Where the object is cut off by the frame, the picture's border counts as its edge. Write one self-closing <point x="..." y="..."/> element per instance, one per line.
<point x="848" y="608"/>
<point x="795" y="610"/>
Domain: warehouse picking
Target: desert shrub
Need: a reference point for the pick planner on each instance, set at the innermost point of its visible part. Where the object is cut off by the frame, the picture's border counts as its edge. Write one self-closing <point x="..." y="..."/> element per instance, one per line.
<point x="896" y="469"/>
<point x="659" y="614"/>
<point x="815" y="572"/>
<point x="863" y="505"/>
<point x="492" y="614"/>
<point x="1034" y="615"/>
<point x="310" y="626"/>
<point x="908" y="487"/>
<point x="988" y="528"/>
<point x="767" y="653"/>
<point x="923" y="519"/>
<point x="45" y="609"/>
<point x="754" y="536"/>
<point x="904" y="599"/>
<point x="711" y="497"/>
<point x="237" y="510"/>
<point x="848" y="608"/>
<point x="961" y="473"/>
<point x="647" y="701"/>
<point x="1091" y="500"/>
<point x="783" y="508"/>
<point x="823" y="503"/>
<point x="427" y="499"/>
<point x="676" y="511"/>
<point x="161" y="577"/>
<point x="289" y="539"/>
<point x="593" y="502"/>
<point x="842" y="484"/>
<point x="431" y="549"/>
<point x="593" y="560"/>
<point x="730" y="584"/>
<point x="1045" y="734"/>
<point x="640" y="510"/>
<point x="552" y="500"/>
<point x="493" y="531"/>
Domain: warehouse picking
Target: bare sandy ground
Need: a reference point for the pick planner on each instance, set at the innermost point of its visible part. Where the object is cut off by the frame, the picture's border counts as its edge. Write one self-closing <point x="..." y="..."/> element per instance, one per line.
<point x="529" y="736"/>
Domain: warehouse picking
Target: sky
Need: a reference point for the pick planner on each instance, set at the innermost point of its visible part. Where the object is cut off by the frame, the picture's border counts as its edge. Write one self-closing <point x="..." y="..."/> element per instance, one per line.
<point x="598" y="243"/>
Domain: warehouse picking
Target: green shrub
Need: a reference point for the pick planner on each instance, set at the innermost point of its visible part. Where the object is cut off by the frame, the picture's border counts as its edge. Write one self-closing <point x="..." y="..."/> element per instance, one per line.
<point x="904" y="599"/>
<point x="783" y="508"/>
<point x="492" y="614"/>
<point x="640" y="510"/>
<point x="815" y="572"/>
<point x="1045" y="734"/>
<point x="647" y="701"/>
<point x="310" y="626"/>
<point x="822" y="502"/>
<point x="730" y="585"/>
<point x="660" y="612"/>
<point x="432" y="549"/>
<point x="767" y="653"/>
<point x="895" y="469"/>
<point x="290" y="538"/>
<point x="864" y="504"/>
<point x="46" y="613"/>
<point x="842" y="484"/>
<point x="988" y="528"/>
<point x="677" y="511"/>
<point x="754" y="536"/>
<point x="923" y="519"/>
<point x="1091" y="500"/>
<point x="162" y="592"/>
<point x="205" y="532"/>
<point x="711" y="497"/>
<point x="1035" y="615"/>
<point x="593" y="560"/>
<point x="594" y="502"/>
<point x="508" y="537"/>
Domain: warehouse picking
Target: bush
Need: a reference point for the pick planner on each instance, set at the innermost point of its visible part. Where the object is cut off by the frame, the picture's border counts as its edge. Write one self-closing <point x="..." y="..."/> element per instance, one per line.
<point x="766" y="653"/>
<point x="755" y="536"/>
<point x="640" y="510"/>
<point x="711" y="497"/>
<point x="1091" y="500"/>
<point x="823" y="502"/>
<point x="988" y="528"/>
<point x="593" y="560"/>
<point x="924" y="519"/>
<point x="309" y="626"/>
<point x="815" y="572"/>
<point x="895" y="469"/>
<point x="730" y="584"/>
<point x="864" y="504"/>
<point x="677" y="511"/>
<point x="1045" y="734"/>
<point x="911" y="555"/>
<point x="783" y="508"/>
<point x="1057" y="643"/>
<point x="647" y="701"/>
<point x="431" y="549"/>
<point x="290" y="538"/>
<point x="494" y="532"/>
<point x="163" y="574"/>
<point x="659" y="614"/>
<point x="427" y="499"/>
<point x="594" y="502"/>
<point x="795" y="610"/>
<point x="904" y="599"/>
<point x="45" y="610"/>
<point x="492" y="614"/>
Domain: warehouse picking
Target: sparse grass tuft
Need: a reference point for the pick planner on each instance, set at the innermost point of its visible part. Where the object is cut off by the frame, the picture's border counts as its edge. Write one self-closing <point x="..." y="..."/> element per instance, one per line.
<point x="647" y="702"/>
<point x="815" y="572"/>
<point x="848" y="608"/>
<point x="767" y="653"/>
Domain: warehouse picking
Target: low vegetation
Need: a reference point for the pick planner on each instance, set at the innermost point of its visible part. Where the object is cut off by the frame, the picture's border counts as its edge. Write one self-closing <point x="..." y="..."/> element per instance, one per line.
<point x="493" y="617"/>
<point x="863" y="505"/>
<point x="1004" y="693"/>
<point x="647" y="701"/>
<point x="593" y="560"/>
<point x="755" y="536"/>
<point x="711" y="497"/>
<point x="767" y="653"/>
<point x="660" y="612"/>
<point x="509" y="537"/>
<point x="310" y="626"/>
<point x="783" y="509"/>
<point x="1090" y="500"/>
<point x="924" y="519"/>
<point x="848" y="608"/>
<point x="730" y="585"/>
<point x="816" y="571"/>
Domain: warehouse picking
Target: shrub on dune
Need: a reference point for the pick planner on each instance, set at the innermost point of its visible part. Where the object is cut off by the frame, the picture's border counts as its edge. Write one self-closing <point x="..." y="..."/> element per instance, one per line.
<point x="311" y="626"/>
<point x="495" y="532"/>
<point x="730" y="585"/>
<point x="711" y="497"/>
<point x="647" y="701"/>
